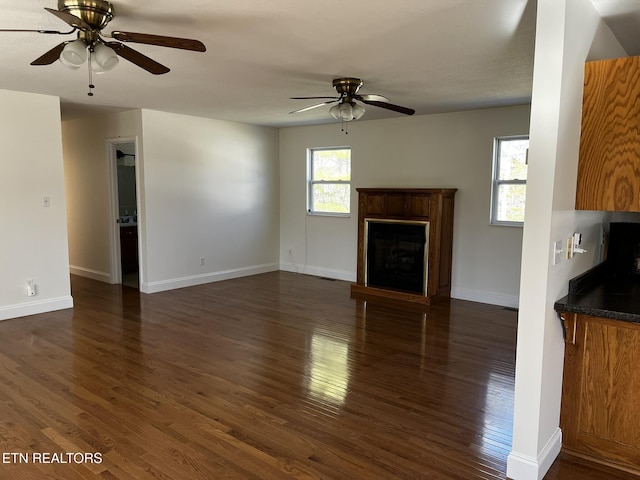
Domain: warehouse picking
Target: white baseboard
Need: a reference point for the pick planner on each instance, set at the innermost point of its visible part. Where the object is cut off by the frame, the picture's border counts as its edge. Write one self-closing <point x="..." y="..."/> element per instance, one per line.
<point x="485" y="297"/>
<point x="524" y="467"/>
<point x="89" y="273"/>
<point x="345" y="275"/>
<point x="34" y="308"/>
<point x="192" y="281"/>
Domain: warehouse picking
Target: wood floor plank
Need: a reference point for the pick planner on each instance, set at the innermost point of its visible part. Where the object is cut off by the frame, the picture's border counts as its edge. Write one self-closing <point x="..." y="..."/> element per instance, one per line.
<point x="274" y="376"/>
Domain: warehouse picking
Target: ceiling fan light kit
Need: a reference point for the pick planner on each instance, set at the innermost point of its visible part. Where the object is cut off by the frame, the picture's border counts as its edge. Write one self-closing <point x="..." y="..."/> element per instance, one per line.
<point x="74" y="54"/>
<point x="103" y="59"/>
<point x="346" y="108"/>
<point x="347" y="111"/>
<point x="88" y="18"/>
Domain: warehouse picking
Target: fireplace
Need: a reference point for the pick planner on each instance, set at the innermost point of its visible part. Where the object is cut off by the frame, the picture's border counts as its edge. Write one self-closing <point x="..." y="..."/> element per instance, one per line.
<point x="405" y="244"/>
<point x="396" y="255"/>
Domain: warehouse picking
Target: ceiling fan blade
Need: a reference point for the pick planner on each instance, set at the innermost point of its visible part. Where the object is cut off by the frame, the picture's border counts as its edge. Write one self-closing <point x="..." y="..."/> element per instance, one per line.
<point x="75" y="22"/>
<point x="51" y="56"/>
<point x="161" y="41"/>
<point x="390" y="106"/>
<point x="315" y="106"/>
<point x="138" y="58"/>
<point x="312" y="98"/>
<point x="36" y="31"/>
<point x="371" y="97"/>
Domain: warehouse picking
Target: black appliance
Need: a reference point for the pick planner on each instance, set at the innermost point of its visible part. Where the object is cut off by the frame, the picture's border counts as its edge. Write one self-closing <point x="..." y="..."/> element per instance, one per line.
<point x="623" y="253"/>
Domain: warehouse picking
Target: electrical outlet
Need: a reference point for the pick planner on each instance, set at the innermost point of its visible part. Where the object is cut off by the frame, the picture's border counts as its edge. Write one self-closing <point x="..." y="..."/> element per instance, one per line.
<point x="290" y="251"/>
<point x="30" y="289"/>
<point x="202" y="261"/>
<point x="573" y="245"/>
<point x="577" y="241"/>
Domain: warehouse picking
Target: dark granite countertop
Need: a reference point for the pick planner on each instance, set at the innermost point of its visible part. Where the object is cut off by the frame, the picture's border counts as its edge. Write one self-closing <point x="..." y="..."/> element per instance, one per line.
<point x="598" y="294"/>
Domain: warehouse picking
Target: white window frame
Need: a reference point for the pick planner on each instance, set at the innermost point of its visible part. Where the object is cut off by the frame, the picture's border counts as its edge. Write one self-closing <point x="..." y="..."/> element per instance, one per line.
<point x="311" y="183"/>
<point x="496" y="182"/>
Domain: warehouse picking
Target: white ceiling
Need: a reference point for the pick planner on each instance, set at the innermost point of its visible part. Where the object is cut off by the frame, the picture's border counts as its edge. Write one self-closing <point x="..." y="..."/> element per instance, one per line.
<point x="430" y="55"/>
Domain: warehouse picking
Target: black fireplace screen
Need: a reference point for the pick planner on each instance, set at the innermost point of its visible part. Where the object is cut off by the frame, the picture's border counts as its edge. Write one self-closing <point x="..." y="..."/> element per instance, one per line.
<point x="396" y="255"/>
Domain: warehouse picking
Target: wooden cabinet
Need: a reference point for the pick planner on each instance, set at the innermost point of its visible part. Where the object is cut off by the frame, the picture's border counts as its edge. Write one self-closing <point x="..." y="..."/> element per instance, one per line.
<point x="609" y="160"/>
<point x="600" y="416"/>
<point x="432" y="205"/>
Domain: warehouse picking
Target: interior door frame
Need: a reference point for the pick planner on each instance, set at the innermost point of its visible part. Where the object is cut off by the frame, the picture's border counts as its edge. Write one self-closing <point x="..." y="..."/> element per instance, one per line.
<point x="114" y="227"/>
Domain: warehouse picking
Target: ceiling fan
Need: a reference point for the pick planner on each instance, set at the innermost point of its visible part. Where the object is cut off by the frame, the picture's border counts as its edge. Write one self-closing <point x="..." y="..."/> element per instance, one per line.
<point x="88" y="18"/>
<point x="346" y="108"/>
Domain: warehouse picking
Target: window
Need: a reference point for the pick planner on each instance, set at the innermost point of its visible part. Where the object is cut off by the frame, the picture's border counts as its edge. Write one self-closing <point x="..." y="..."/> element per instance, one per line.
<point x="508" y="192"/>
<point x="329" y="181"/>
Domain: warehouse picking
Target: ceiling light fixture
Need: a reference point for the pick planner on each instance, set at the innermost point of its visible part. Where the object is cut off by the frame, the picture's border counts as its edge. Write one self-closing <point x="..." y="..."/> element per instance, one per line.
<point x="74" y="54"/>
<point x="346" y="108"/>
<point x="88" y="18"/>
<point x="101" y="57"/>
<point x="347" y="111"/>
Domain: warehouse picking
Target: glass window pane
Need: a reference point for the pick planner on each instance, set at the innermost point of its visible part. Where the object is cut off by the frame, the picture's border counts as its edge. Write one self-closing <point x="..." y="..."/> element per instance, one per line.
<point x="512" y="161"/>
<point x="510" y="203"/>
<point x="331" y="198"/>
<point x="331" y="165"/>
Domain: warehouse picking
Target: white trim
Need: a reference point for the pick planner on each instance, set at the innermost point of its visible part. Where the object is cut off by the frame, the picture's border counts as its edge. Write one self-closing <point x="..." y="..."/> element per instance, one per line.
<point x="523" y="467"/>
<point x="345" y="275"/>
<point x="89" y="273"/>
<point x="311" y="182"/>
<point x="193" y="280"/>
<point x="114" y="231"/>
<point x="496" y="182"/>
<point x="485" y="297"/>
<point x="34" y="308"/>
<point x="114" y="227"/>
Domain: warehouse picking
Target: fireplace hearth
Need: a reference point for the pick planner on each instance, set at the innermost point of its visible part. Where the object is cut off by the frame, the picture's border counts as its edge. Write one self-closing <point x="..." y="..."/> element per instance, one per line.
<point x="405" y="243"/>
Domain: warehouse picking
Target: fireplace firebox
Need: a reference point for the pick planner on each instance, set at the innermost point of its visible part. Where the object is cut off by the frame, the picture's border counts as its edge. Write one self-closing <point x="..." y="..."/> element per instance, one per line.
<point x="405" y="244"/>
<point x="396" y="255"/>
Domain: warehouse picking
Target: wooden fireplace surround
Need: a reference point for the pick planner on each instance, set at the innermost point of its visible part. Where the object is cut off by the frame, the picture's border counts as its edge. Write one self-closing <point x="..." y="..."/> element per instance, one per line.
<point x="434" y="205"/>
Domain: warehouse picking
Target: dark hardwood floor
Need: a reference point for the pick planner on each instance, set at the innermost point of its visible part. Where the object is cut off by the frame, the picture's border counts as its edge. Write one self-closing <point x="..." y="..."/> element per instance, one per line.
<point x="275" y="376"/>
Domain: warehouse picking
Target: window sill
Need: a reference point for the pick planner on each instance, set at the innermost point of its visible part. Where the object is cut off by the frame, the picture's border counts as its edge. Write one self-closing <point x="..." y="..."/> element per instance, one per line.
<point x="506" y="224"/>
<point x="328" y="214"/>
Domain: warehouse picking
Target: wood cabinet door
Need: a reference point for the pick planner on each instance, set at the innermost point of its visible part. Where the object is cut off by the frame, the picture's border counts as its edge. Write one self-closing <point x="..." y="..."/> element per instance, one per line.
<point x="609" y="159"/>
<point x="600" y="413"/>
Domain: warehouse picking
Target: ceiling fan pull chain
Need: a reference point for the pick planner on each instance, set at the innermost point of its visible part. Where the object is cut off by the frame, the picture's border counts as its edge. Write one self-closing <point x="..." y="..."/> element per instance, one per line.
<point x="91" y="85"/>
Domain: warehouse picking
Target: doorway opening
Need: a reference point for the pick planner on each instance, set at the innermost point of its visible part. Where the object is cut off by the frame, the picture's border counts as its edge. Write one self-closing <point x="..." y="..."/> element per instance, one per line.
<point x="125" y="263"/>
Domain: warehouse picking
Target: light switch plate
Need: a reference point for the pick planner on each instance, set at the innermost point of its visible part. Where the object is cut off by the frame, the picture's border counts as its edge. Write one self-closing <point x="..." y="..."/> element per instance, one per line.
<point x="557" y="252"/>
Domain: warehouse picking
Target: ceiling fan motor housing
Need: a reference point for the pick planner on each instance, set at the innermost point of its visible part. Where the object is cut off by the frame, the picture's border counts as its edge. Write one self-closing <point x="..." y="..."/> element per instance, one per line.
<point x="96" y="13"/>
<point x="347" y="87"/>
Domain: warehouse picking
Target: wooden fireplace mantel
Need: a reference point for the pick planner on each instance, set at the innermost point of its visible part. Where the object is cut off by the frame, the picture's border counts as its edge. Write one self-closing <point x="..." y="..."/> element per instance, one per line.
<point x="433" y="205"/>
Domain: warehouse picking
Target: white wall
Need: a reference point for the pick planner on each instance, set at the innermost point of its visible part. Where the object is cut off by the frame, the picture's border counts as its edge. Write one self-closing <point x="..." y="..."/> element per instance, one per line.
<point x="208" y="188"/>
<point x="443" y="150"/>
<point x="211" y="190"/>
<point x="33" y="244"/>
<point x="87" y="188"/>
<point x="568" y="33"/>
